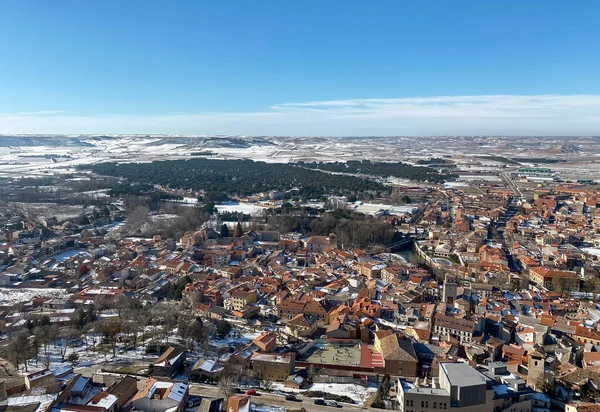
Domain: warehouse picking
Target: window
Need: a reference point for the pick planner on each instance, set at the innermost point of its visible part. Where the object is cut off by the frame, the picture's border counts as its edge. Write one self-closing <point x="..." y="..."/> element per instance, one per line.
<point x="422" y="404"/>
<point x="434" y="405"/>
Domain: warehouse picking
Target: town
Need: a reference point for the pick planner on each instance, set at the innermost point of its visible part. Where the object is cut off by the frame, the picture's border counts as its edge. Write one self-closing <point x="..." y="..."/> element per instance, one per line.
<point x="476" y="292"/>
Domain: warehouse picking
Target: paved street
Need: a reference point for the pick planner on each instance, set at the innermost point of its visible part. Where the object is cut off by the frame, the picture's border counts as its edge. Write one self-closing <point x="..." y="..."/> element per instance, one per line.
<point x="512" y="185"/>
<point x="276" y="400"/>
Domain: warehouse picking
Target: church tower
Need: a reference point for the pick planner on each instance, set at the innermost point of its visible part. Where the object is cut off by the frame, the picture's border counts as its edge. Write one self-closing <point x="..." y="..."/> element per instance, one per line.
<point x="333" y="240"/>
<point x="535" y="370"/>
<point x="450" y="289"/>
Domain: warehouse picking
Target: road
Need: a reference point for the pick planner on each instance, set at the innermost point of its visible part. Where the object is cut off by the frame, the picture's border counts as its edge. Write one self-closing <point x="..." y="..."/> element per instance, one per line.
<point x="277" y="400"/>
<point x="512" y="185"/>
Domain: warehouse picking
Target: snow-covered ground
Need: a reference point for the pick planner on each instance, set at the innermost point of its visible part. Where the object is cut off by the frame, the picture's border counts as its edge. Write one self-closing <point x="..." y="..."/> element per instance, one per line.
<point x="355" y="392"/>
<point x="246" y="208"/>
<point x="47" y="210"/>
<point x="9" y="296"/>
<point x="89" y="353"/>
<point x="235" y="339"/>
<point x="163" y="216"/>
<point x="52" y="355"/>
<point x="591" y="251"/>
<point x="259" y="407"/>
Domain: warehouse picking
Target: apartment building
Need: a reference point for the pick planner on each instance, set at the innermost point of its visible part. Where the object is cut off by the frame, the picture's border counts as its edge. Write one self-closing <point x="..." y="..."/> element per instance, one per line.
<point x="461" y="329"/>
<point x="273" y="366"/>
<point x="460" y="388"/>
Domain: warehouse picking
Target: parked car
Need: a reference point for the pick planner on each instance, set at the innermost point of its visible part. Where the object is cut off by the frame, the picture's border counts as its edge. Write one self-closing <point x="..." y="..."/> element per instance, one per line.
<point x="290" y="397"/>
<point x="332" y="403"/>
<point x="319" y="402"/>
<point x="250" y="392"/>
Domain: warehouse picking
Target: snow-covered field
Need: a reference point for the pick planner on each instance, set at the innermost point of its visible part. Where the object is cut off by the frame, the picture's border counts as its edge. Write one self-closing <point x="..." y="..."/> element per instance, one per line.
<point x="9" y="296"/>
<point x="47" y="210"/>
<point x="89" y="353"/>
<point x="245" y="208"/>
<point x="163" y="216"/>
<point x="31" y="159"/>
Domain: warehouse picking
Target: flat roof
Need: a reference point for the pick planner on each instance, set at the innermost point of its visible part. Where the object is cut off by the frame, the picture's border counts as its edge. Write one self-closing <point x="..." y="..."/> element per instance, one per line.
<point x="332" y="354"/>
<point x="461" y="374"/>
<point x="410" y="387"/>
<point x="272" y="357"/>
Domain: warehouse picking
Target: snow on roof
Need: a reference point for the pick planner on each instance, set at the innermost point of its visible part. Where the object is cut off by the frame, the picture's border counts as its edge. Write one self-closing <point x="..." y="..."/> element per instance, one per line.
<point x="178" y="392"/>
<point x="210" y="366"/>
<point x="80" y="384"/>
<point x="62" y="370"/>
<point x="103" y="400"/>
<point x="39" y="374"/>
<point x="26" y="400"/>
<point x="174" y="391"/>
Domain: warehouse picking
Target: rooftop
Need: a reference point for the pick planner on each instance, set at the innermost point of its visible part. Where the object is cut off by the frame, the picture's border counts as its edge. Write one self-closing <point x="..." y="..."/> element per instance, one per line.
<point x="272" y="357"/>
<point x="412" y="388"/>
<point x="461" y="374"/>
<point x="332" y="354"/>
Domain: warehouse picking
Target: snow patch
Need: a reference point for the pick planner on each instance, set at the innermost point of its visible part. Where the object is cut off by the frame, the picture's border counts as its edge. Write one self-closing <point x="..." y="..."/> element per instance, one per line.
<point x="10" y="296"/>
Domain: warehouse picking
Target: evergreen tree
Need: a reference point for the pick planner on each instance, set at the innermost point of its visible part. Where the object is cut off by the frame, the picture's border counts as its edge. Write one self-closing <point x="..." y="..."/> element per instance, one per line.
<point x="224" y="230"/>
<point x="238" y="230"/>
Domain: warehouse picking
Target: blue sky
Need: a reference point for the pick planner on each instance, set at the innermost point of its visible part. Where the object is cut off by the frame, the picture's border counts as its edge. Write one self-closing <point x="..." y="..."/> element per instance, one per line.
<point x="300" y="67"/>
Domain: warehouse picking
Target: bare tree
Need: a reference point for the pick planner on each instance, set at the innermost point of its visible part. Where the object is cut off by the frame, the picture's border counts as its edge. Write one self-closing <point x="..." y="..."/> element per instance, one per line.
<point x="19" y="349"/>
<point x="228" y="379"/>
<point x="564" y="286"/>
<point x="111" y="328"/>
<point x="194" y="299"/>
<point x="191" y="329"/>
<point x="170" y="314"/>
<point x="142" y="318"/>
<point x="64" y="339"/>
<point x="137" y="217"/>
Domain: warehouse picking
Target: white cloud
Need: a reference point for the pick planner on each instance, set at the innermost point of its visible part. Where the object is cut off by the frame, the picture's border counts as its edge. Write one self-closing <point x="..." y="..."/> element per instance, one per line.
<point x="39" y="113"/>
<point x="441" y="115"/>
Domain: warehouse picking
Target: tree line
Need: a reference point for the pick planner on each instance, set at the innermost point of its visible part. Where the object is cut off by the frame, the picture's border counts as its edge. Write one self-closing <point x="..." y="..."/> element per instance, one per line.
<point x="238" y="177"/>
<point x="351" y="228"/>
<point x="384" y="169"/>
